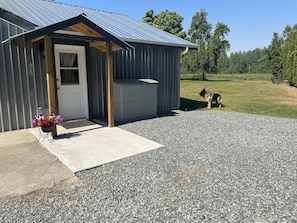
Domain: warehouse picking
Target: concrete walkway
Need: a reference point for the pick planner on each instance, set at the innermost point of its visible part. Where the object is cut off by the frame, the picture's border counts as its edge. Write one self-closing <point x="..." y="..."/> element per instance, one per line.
<point x="25" y="166"/>
<point x="82" y="145"/>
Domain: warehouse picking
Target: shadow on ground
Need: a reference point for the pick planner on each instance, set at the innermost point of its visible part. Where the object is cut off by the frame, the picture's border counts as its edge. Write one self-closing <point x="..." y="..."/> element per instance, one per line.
<point x="162" y="113"/>
<point x="190" y="105"/>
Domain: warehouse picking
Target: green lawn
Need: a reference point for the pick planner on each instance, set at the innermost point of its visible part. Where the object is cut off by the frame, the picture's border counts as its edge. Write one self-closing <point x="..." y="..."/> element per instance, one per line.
<point x="242" y="95"/>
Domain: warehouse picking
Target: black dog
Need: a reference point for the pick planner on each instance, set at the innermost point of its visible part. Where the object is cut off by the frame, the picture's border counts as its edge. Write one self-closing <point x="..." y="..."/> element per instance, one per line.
<point x="210" y="97"/>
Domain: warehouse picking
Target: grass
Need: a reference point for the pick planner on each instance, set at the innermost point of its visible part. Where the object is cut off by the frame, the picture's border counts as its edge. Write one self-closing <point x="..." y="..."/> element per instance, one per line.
<point x="247" y="95"/>
<point x="227" y="76"/>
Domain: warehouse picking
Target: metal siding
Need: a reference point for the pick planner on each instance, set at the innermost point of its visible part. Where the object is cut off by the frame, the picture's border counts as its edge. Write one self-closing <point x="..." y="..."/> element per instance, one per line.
<point x="30" y="86"/>
<point x="145" y="61"/>
<point x="97" y="84"/>
<point x="154" y="62"/>
<point x="3" y="81"/>
<point x="22" y="79"/>
<point x="11" y="88"/>
<point x="40" y="79"/>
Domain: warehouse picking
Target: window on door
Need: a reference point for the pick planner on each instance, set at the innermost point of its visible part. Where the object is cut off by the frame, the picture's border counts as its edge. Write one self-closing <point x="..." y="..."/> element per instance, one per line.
<point x="69" y="69"/>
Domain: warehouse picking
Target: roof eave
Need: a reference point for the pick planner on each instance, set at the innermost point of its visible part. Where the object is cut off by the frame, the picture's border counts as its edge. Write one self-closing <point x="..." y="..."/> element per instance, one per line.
<point x="178" y="45"/>
<point x="15" y="19"/>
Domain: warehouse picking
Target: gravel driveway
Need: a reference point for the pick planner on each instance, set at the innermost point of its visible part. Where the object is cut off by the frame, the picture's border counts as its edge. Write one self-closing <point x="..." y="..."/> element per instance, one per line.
<point x="215" y="167"/>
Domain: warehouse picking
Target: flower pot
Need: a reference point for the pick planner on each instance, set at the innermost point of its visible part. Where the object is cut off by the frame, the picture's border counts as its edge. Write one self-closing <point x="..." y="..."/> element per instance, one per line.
<point x="47" y="128"/>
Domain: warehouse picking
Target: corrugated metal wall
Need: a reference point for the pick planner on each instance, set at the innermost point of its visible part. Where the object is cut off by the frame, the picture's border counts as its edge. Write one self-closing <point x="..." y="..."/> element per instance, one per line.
<point x="22" y="87"/>
<point x="145" y="61"/>
<point x="23" y="79"/>
<point x="156" y="62"/>
<point x="97" y="84"/>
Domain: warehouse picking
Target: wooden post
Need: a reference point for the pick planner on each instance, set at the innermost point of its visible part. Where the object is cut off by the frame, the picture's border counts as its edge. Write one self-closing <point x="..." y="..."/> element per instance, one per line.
<point x="110" y="85"/>
<point x="50" y="79"/>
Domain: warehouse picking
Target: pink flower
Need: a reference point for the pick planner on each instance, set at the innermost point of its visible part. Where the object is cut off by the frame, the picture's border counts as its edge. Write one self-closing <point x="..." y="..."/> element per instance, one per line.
<point x="46" y="119"/>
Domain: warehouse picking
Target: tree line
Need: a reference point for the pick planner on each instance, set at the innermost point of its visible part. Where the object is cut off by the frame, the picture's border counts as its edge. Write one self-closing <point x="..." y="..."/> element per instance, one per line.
<point x="279" y="58"/>
<point x="282" y="54"/>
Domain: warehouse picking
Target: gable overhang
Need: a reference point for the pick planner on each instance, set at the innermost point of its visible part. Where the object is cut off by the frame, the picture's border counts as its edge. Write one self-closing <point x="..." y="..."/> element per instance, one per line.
<point x="76" y="28"/>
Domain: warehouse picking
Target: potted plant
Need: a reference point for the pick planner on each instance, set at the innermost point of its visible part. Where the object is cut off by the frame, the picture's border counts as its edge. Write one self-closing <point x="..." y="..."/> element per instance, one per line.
<point x="47" y="121"/>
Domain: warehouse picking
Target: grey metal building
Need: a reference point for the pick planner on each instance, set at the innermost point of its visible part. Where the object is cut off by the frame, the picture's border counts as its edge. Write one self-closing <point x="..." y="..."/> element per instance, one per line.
<point x="78" y="39"/>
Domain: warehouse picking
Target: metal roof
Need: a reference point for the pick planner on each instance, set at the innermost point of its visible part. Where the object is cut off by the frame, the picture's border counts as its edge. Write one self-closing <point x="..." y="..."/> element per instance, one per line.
<point x="47" y="12"/>
<point x="89" y="30"/>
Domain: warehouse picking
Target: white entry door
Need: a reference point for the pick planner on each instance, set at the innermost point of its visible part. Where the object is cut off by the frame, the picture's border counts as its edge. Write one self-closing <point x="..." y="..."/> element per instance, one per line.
<point x="71" y="81"/>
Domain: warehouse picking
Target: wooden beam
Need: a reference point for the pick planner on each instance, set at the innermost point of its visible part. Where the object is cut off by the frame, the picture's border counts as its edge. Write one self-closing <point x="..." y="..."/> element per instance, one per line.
<point x="86" y="30"/>
<point x="37" y="39"/>
<point x="110" y="85"/>
<point x="102" y="46"/>
<point x="77" y="37"/>
<point x="50" y="79"/>
<point x="99" y="45"/>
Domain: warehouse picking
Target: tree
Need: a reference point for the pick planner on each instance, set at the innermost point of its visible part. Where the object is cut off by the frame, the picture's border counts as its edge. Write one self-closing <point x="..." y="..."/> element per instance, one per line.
<point x="168" y="21"/>
<point x="286" y="32"/>
<point x="275" y="57"/>
<point x="219" y="47"/>
<point x="252" y="61"/>
<point x="290" y="57"/>
<point x="149" y="17"/>
<point x="213" y="47"/>
<point x="200" y="33"/>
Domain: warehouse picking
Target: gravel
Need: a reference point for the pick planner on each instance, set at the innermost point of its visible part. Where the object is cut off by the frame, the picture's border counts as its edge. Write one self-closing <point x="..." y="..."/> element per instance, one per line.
<point x="215" y="167"/>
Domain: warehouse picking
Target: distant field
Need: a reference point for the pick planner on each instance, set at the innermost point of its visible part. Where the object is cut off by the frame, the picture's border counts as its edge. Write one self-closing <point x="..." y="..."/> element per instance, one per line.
<point x="227" y="76"/>
<point x="246" y="95"/>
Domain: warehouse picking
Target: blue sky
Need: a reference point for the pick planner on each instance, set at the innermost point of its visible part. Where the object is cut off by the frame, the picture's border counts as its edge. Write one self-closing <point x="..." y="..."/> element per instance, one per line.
<point x="252" y="22"/>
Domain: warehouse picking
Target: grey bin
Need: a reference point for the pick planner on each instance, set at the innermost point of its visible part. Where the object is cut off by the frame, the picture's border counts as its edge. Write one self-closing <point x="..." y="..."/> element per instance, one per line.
<point x="135" y="99"/>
